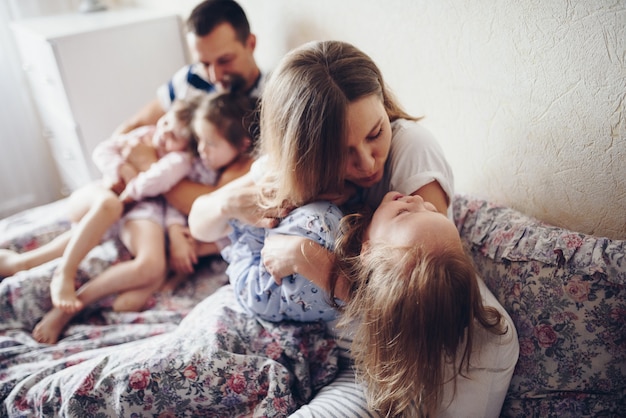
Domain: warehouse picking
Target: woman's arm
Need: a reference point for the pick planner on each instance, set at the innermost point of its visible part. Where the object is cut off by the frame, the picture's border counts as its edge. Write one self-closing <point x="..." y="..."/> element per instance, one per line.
<point x="433" y="193"/>
<point x="210" y="213"/>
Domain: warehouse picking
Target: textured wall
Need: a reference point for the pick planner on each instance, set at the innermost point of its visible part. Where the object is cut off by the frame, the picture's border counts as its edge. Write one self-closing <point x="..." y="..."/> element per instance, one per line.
<point x="527" y="97"/>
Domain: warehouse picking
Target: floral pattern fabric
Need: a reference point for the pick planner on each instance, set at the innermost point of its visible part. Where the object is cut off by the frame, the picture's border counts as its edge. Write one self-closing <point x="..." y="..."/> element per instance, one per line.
<point x="188" y="354"/>
<point x="566" y="293"/>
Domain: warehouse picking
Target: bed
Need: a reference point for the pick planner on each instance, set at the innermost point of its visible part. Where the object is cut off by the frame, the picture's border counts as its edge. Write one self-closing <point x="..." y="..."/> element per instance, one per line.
<point x="192" y="353"/>
<point x="188" y="354"/>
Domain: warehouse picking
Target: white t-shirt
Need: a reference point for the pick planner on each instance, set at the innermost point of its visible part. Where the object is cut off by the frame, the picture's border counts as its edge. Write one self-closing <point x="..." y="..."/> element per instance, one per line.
<point x="415" y="159"/>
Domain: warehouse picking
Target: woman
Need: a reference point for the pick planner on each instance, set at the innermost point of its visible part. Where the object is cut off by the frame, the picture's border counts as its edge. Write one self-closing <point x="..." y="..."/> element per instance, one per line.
<point x="330" y="128"/>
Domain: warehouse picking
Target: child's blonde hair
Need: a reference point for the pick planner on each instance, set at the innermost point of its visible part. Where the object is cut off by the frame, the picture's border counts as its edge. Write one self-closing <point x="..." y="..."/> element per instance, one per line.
<point x="303" y="117"/>
<point x="416" y="310"/>
<point x="184" y="111"/>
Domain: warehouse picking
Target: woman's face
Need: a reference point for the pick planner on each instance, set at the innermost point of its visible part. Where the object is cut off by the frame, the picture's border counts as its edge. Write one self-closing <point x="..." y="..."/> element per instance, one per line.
<point x="214" y="150"/>
<point x="408" y="220"/>
<point x="369" y="139"/>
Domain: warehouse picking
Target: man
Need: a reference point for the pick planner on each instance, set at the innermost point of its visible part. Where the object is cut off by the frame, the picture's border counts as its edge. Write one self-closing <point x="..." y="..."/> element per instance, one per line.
<point x="219" y="33"/>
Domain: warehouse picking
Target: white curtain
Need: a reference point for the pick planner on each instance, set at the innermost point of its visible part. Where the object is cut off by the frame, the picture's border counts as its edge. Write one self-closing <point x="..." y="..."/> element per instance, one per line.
<point x="28" y="176"/>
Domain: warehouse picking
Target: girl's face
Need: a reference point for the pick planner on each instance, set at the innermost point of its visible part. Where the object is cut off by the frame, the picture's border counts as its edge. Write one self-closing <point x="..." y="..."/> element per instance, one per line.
<point x="369" y="139"/>
<point x="407" y="221"/>
<point x="171" y="134"/>
<point x="214" y="150"/>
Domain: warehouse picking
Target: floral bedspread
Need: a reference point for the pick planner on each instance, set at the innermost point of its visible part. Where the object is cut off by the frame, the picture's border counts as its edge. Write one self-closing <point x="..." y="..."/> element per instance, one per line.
<point x="566" y="294"/>
<point x="191" y="353"/>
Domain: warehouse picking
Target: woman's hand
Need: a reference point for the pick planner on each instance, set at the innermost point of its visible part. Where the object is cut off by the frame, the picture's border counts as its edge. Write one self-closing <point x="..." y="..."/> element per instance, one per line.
<point x="281" y="254"/>
<point x="284" y="255"/>
<point x="182" y="249"/>
<point x="243" y="205"/>
<point x="239" y="199"/>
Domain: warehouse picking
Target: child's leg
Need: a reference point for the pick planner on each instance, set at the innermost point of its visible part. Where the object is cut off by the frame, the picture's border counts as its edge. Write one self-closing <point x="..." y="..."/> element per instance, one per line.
<point x="103" y="213"/>
<point x="137" y="278"/>
<point x="145" y="239"/>
<point x="12" y="262"/>
<point x="79" y="203"/>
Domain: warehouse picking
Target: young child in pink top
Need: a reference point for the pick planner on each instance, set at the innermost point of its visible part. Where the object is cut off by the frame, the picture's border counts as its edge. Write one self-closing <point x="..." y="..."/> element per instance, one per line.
<point x="220" y="152"/>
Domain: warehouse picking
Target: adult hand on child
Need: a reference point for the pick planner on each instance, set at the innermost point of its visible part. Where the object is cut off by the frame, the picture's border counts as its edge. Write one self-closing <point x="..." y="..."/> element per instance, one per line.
<point x="281" y="255"/>
<point x="243" y="204"/>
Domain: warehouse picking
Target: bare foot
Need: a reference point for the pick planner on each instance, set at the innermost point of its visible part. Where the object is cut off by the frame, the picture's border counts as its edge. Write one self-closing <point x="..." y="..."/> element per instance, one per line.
<point x="48" y="330"/>
<point x="63" y="293"/>
<point x="9" y="263"/>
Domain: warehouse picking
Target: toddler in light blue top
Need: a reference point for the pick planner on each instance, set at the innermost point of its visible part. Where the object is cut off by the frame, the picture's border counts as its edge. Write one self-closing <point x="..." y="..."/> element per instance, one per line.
<point x="296" y="298"/>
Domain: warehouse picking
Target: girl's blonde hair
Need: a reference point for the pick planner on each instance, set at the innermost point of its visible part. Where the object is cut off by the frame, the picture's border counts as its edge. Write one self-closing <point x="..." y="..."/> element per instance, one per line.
<point x="184" y="110"/>
<point x="303" y="118"/>
<point x="416" y="310"/>
<point x="233" y="114"/>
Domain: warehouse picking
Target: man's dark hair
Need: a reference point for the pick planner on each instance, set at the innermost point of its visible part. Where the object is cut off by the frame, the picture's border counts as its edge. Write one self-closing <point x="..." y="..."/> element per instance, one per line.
<point x="210" y="13"/>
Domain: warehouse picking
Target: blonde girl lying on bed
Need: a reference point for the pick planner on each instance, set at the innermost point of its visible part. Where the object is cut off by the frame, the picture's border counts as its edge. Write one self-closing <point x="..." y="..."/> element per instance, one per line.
<point x="429" y="339"/>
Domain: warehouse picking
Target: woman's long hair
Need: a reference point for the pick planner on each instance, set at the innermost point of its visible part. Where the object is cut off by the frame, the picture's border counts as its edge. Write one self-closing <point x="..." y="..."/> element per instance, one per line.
<point x="303" y="118"/>
<point x="416" y="310"/>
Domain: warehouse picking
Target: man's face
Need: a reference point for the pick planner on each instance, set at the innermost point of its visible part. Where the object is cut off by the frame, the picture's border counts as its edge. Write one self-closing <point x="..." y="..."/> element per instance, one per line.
<point x="224" y="57"/>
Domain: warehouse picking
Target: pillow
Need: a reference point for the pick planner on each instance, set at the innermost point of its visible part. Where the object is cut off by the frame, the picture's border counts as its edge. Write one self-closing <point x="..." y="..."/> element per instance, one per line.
<point x="566" y="294"/>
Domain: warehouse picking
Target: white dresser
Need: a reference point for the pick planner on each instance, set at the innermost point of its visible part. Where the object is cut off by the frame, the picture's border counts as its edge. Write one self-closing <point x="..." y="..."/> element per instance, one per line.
<point x="90" y="72"/>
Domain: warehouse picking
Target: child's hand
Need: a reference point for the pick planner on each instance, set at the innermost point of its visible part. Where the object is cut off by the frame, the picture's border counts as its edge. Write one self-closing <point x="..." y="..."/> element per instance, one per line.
<point x="281" y="254"/>
<point x="182" y="249"/>
<point x="116" y="187"/>
<point x="126" y="172"/>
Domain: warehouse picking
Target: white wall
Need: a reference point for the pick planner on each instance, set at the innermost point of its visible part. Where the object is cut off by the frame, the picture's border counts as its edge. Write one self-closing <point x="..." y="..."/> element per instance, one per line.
<point x="527" y="97"/>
